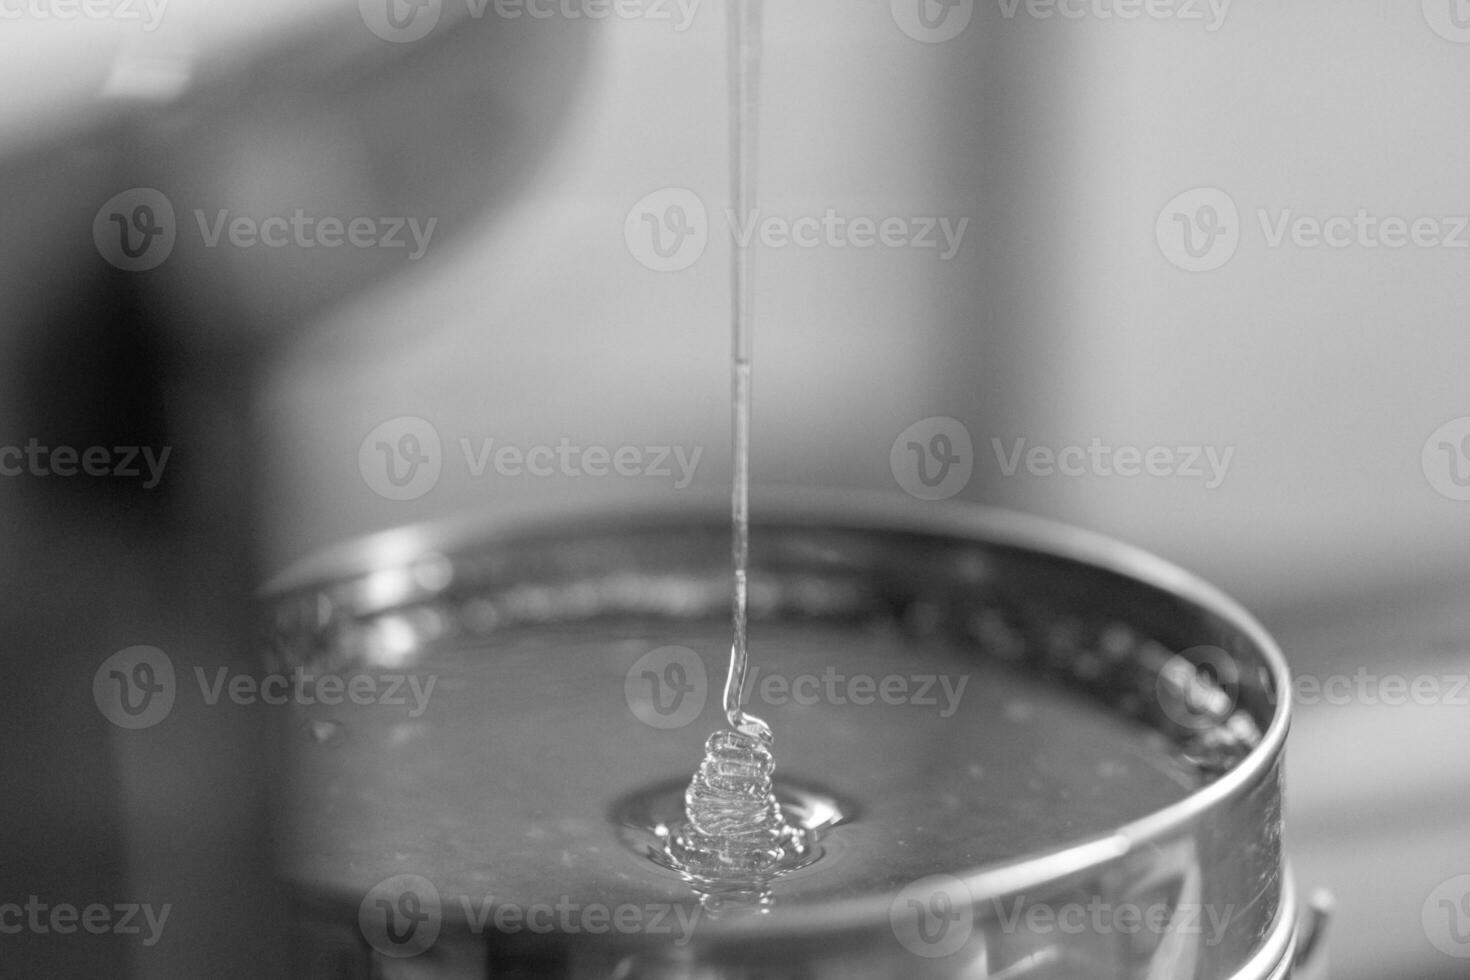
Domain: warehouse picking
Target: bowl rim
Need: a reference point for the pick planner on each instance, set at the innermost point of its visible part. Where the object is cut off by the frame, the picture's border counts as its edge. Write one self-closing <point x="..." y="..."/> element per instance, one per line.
<point x="885" y="512"/>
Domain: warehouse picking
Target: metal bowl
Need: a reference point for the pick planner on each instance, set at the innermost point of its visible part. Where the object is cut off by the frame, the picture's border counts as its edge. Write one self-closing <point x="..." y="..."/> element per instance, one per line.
<point x="1133" y="634"/>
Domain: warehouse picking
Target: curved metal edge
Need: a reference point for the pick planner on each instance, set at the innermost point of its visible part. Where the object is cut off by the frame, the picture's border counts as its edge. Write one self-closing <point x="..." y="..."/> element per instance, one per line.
<point x="858" y="510"/>
<point x="1275" y="958"/>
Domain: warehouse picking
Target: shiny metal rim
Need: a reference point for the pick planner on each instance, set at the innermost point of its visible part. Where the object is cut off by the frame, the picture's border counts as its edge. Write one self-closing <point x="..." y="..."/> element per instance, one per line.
<point x="856" y="512"/>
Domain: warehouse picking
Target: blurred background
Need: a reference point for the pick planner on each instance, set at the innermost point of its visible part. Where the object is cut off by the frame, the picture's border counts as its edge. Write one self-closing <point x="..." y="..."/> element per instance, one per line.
<point x="1080" y="231"/>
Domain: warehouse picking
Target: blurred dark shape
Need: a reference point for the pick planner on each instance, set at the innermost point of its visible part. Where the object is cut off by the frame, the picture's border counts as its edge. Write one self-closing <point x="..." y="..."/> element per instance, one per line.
<point x="330" y="120"/>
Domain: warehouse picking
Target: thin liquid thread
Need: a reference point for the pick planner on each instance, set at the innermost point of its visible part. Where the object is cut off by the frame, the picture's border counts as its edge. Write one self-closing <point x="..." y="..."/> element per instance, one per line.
<point x="744" y="66"/>
<point x="735" y="824"/>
